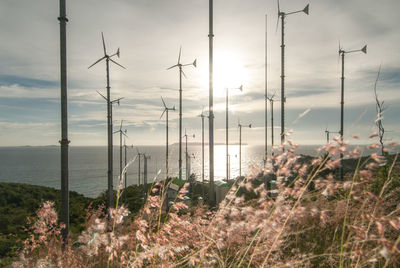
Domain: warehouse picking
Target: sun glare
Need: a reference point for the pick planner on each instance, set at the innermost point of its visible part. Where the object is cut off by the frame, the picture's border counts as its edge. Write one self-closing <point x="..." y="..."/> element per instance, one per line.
<point x="229" y="72"/>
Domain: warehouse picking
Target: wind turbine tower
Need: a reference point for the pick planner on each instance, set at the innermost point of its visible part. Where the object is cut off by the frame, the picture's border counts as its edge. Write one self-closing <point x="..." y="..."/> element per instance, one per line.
<point x="64" y="214"/>
<point x="145" y="158"/>
<point x="342" y="52"/>
<point x="121" y="132"/>
<point x="180" y="66"/>
<point x="110" y="157"/>
<point x="227" y="130"/>
<point x="166" y="109"/>
<point x="283" y="15"/>
<point x="187" y="154"/>
<point x="271" y="101"/>
<point x="211" y="104"/>
<point x="139" y="155"/>
<point x="202" y="115"/>
<point x="108" y="58"/>
<point x="240" y="146"/>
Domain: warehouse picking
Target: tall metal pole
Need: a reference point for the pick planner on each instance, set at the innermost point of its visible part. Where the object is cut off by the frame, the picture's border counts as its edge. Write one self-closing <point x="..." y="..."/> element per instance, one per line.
<point x="120" y="154"/>
<point x="64" y="217"/>
<point x="211" y="107"/>
<point x="180" y="122"/>
<point x="145" y="174"/>
<point x="266" y="90"/>
<point x="125" y="161"/>
<point x="202" y="154"/>
<point x="342" y="116"/>
<point x="139" y="169"/>
<point x="186" y="157"/>
<point x="166" y="149"/>
<point x="226" y="136"/>
<point x="240" y="150"/>
<point x="283" y="97"/>
<point x="272" y="127"/>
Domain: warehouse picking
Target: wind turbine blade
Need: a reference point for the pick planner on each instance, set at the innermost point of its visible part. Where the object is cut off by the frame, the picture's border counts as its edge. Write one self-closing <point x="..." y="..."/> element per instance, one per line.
<point x="96" y="62"/>
<point x="117" y="63"/>
<point x="163" y="113"/>
<point x="101" y="95"/>
<point x="120" y="127"/>
<point x="115" y="131"/>
<point x="277" y="20"/>
<point x="184" y="74"/>
<point x="165" y="106"/>
<point x="179" y="57"/>
<point x="173" y="66"/>
<point x="279" y="10"/>
<point x="123" y="133"/>
<point x="104" y="44"/>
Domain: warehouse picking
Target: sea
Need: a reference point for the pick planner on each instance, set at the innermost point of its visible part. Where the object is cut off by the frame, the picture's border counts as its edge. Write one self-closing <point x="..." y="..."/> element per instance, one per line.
<point x="88" y="165"/>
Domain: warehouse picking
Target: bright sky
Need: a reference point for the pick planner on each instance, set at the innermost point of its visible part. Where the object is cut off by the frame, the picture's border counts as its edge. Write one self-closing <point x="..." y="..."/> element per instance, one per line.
<point x="149" y="34"/>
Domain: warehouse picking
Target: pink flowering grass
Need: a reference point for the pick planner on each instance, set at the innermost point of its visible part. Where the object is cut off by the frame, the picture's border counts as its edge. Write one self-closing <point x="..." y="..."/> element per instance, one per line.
<point x="305" y="217"/>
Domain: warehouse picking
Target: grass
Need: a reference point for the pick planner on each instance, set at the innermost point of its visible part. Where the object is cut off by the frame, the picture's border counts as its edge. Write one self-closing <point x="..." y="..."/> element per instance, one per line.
<point x="309" y="220"/>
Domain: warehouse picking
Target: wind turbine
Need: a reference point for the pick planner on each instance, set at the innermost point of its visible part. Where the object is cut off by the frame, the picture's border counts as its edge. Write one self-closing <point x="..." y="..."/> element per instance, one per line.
<point x="110" y="148"/>
<point x="108" y="58"/>
<point x="139" y="154"/>
<point x="64" y="213"/>
<point x="166" y="109"/>
<point x="120" y="147"/>
<point x="327" y="132"/>
<point x="240" y="146"/>
<point x="283" y="15"/>
<point x="180" y="66"/>
<point x="186" y="138"/>
<point x="202" y="115"/>
<point x="271" y="101"/>
<point x="227" y="130"/>
<point x="342" y="53"/>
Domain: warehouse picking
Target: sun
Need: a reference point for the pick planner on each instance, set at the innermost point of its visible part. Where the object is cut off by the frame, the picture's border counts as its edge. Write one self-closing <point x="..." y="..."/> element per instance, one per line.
<point x="229" y="72"/>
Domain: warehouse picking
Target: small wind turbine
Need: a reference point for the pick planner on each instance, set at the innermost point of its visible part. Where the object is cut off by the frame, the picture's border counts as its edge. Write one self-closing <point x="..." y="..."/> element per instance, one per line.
<point x="271" y="101"/>
<point x="166" y="109"/>
<point x="327" y="132"/>
<point x="110" y="148"/>
<point x="283" y="15"/>
<point x="342" y="53"/>
<point x="139" y="155"/>
<point x="240" y="146"/>
<point x="180" y="65"/>
<point x="121" y="132"/>
<point x="227" y="131"/>
<point x="186" y="138"/>
<point x="202" y="115"/>
<point x="108" y="58"/>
